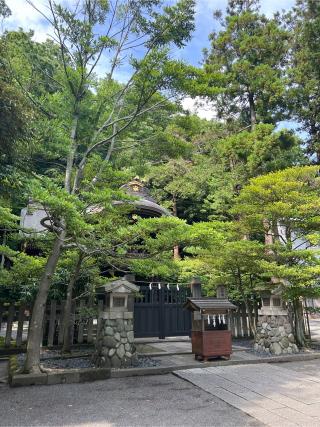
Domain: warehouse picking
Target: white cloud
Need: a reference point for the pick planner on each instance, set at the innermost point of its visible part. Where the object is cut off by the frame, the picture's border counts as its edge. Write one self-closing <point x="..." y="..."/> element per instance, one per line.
<point x="201" y="107"/>
<point x="26" y="17"/>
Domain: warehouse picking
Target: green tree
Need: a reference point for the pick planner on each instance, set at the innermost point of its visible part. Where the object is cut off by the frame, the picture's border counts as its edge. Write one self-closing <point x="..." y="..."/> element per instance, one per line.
<point x="246" y="63"/>
<point x="130" y="23"/>
<point x="285" y="206"/>
<point x="304" y="71"/>
<point x="235" y="159"/>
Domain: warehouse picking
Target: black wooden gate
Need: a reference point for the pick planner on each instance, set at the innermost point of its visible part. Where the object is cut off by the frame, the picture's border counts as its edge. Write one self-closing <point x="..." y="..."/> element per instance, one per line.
<point x="160" y="313"/>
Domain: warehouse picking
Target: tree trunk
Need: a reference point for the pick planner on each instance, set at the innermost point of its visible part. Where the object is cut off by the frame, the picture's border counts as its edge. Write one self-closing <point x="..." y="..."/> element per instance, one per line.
<point x="298" y="323"/>
<point x="253" y="116"/>
<point x="32" y="362"/>
<point x="176" y="251"/>
<point x="67" y="321"/>
<point x="4" y="241"/>
<point x="71" y="154"/>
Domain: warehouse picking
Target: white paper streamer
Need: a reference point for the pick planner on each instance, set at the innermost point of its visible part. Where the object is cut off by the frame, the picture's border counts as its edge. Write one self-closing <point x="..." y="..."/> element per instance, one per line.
<point x="208" y="319"/>
<point x="159" y="285"/>
<point x="168" y="286"/>
<point x="178" y="289"/>
<point x="150" y="286"/>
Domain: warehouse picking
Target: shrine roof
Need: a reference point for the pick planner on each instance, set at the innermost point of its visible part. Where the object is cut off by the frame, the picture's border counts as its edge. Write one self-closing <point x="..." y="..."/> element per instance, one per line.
<point x="205" y="303"/>
<point x="120" y="285"/>
<point x="144" y="203"/>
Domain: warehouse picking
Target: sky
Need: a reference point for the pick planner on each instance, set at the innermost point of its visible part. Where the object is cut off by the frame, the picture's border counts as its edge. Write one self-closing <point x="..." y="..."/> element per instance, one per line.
<point x="24" y="16"/>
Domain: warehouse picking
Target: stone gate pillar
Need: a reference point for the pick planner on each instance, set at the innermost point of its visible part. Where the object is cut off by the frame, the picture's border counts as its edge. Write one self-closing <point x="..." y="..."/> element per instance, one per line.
<point x="115" y="336"/>
<point x="195" y="287"/>
<point x="274" y="332"/>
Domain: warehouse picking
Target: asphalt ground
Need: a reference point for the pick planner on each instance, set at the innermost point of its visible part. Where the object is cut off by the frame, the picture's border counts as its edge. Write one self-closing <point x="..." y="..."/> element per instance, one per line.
<point x="162" y="400"/>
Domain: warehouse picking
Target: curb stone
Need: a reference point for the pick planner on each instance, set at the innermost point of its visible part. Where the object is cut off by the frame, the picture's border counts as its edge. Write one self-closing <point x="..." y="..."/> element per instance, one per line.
<point x="68" y="376"/>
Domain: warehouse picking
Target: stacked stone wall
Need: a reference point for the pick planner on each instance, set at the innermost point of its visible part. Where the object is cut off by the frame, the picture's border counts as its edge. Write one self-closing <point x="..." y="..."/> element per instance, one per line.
<point x="115" y="341"/>
<point x="274" y="336"/>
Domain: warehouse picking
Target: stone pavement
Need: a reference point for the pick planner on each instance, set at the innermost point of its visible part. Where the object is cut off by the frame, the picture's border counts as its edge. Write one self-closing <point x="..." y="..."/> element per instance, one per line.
<point x="184" y="345"/>
<point x="287" y="394"/>
<point x="162" y="400"/>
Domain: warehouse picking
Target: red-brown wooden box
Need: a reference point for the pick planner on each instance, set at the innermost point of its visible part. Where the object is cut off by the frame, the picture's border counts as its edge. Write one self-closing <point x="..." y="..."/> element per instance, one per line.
<point x="211" y="343"/>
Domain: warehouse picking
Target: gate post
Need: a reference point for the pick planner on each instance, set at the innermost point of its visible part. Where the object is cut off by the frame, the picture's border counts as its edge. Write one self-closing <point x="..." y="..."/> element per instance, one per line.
<point x="162" y="326"/>
<point x="195" y="287"/>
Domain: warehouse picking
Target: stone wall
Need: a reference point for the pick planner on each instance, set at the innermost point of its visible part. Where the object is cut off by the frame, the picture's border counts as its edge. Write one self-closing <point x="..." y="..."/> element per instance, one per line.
<point x="274" y="336"/>
<point x="114" y="344"/>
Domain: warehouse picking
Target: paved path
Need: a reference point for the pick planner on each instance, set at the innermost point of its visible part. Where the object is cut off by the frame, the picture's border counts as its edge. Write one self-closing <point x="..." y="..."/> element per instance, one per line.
<point x="162" y="400"/>
<point x="184" y="346"/>
<point x="277" y="395"/>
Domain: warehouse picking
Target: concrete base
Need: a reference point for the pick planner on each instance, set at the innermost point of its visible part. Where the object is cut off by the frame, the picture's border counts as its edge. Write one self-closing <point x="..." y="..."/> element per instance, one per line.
<point x="55" y="376"/>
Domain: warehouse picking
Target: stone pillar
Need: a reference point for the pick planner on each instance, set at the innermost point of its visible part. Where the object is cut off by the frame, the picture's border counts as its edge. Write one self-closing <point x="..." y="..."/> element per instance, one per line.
<point x="195" y="286"/>
<point x="274" y="332"/>
<point x="115" y="338"/>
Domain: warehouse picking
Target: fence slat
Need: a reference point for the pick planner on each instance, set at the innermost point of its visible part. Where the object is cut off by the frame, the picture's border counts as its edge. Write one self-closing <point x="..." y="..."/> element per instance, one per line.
<point x="90" y="323"/>
<point x="73" y="320"/>
<point x="80" y="323"/>
<point x="244" y="321"/>
<point x="1" y="314"/>
<point x="52" y="322"/>
<point x="20" y="325"/>
<point x="100" y="310"/>
<point x="60" y="334"/>
<point x="11" y="313"/>
<point x="238" y="323"/>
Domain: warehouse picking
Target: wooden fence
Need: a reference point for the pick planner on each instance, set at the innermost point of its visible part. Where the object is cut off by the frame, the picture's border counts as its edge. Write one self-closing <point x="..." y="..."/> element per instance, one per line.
<point x="15" y="320"/>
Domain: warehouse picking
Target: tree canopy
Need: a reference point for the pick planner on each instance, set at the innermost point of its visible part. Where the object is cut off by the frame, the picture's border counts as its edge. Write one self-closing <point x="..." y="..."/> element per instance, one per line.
<point x="73" y="133"/>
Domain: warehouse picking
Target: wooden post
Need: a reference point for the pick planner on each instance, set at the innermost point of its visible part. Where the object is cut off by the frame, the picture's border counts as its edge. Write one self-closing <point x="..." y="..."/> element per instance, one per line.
<point x="11" y="313"/>
<point x="90" y="323"/>
<point x="80" y="320"/>
<point x="238" y="323"/>
<point x="232" y="327"/>
<point x="100" y="311"/>
<point x="52" y="322"/>
<point x="73" y="321"/>
<point x="60" y="333"/>
<point x="1" y="314"/>
<point x="244" y="315"/>
<point x="20" y="325"/>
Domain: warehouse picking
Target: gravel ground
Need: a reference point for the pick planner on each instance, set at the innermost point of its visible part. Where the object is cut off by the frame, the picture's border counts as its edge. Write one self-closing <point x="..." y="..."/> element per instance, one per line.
<point x="51" y="360"/>
<point x="76" y="362"/>
<point x="270" y="356"/>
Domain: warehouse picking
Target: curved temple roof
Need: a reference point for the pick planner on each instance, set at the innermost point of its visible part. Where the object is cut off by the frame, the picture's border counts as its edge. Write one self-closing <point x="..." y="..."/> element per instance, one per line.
<point x="32" y="215"/>
<point x="145" y="204"/>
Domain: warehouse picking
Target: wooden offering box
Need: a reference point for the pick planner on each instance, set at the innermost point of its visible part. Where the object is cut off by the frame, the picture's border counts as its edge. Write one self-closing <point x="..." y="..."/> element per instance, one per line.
<point x="210" y="335"/>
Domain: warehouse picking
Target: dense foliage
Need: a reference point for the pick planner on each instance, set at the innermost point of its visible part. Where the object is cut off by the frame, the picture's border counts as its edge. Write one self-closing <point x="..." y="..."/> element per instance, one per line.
<point x="71" y="137"/>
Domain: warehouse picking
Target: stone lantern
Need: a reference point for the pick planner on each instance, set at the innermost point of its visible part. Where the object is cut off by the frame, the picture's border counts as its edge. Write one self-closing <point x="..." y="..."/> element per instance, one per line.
<point x="274" y="332"/>
<point x="115" y="336"/>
